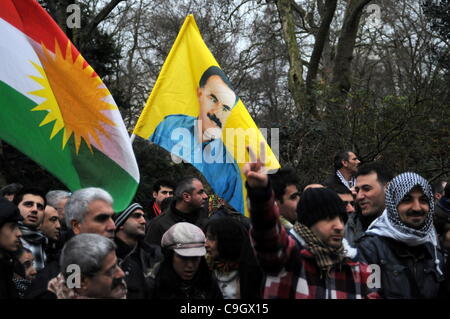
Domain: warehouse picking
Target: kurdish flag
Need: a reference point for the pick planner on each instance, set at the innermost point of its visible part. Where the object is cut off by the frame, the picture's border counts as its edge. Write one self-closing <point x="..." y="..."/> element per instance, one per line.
<point x="55" y="108"/>
<point x="194" y="112"/>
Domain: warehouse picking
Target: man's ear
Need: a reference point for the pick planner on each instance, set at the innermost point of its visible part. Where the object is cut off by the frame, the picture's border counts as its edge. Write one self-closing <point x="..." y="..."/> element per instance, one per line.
<point x="186" y="197"/>
<point x="75" y="226"/>
<point x="155" y="194"/>
<point x="344" y="163"/>
<point x="84" y="286"/>
<point x="199" y="92"/>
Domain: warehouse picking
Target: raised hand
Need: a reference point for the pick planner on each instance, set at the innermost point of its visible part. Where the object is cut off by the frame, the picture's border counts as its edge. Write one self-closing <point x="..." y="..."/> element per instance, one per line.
<point x="255" y="170"/>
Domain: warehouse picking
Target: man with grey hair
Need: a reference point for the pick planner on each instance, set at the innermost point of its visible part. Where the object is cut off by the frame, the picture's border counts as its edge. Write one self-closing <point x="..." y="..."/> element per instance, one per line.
<point x="89" y="210"/>
<point x="89" y="269"/>
<point x="403" y="243"/>
<point x="187" y="206"/>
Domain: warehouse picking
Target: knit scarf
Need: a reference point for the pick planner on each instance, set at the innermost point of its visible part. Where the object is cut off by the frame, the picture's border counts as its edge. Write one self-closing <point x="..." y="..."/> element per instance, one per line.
<point x="326" y="256"/>
<point x="220" y="265"/>
<point x="33" y="236"/>
<point x="22" y="286"/>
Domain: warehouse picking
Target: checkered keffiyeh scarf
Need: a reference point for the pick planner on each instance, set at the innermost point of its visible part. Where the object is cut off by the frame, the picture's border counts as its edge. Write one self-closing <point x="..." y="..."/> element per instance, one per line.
<point x="389" y="223"/>
<point x="326" y="256"/>
<point x="349" y="184"/>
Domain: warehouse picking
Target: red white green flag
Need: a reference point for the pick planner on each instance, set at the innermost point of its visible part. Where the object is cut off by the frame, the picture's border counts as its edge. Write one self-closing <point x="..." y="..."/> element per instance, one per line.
<point x="56" y="109"/>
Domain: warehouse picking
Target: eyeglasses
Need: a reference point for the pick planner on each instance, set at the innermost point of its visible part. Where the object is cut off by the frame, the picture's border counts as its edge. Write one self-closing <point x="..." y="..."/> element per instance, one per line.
<point x="348" y="202"/>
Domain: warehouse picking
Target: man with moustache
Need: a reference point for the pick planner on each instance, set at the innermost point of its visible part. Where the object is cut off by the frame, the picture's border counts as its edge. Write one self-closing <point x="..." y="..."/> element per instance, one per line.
<point x="9" y="243"/>
<point x="317" y="265"/>
<point x="99" y="277"/>
<point x="139" y="259"/>
<point x="198" y="139"/>
<point x="402" y="241"/>
<point x="31" y="203"/>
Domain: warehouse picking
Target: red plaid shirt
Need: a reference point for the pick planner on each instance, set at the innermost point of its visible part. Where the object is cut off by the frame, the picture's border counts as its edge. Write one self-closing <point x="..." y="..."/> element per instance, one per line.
<point x="291" y="269"/>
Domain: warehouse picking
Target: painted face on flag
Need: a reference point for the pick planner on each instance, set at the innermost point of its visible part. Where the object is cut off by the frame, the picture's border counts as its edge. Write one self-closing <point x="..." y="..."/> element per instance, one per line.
<point x="216" y="101"/>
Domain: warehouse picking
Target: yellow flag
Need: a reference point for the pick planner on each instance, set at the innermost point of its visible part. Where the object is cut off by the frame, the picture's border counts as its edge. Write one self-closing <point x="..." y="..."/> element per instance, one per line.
<point x="194" y="113"/>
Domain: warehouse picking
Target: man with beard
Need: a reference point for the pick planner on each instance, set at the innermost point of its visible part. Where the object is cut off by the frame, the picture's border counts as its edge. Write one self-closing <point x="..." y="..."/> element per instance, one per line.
<point x="317" y="265"/>
<point x="402" y="241"/>
<point x="98" y="276"/>
<point x="139" y="259"/>
<point x="371" y="182"/>
<point x="31" y="203"/>
<point x="187" y="206"/>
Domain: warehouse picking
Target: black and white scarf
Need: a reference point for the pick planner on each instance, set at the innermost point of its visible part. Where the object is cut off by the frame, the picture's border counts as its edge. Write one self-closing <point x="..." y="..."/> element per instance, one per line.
<point x="349" y="184"/>
<point x="389" y="223"/>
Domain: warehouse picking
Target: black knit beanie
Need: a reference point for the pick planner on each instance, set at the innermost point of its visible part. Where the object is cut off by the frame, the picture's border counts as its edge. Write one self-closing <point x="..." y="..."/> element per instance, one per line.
<point x="318" y="204"/>
<point x="8" y="212"/>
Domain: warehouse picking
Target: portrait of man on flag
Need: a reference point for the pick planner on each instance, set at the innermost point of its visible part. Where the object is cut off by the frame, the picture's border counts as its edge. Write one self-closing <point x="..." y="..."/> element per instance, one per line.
<point x="197" y="140"/>
<point x="195" y="113"/>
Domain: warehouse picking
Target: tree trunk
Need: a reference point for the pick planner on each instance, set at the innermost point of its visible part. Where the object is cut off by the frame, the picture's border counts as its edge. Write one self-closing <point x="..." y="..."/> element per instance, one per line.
<point x="320" y="39"/>
<point x="346" y="44"/>
<point x="295" y="81"/>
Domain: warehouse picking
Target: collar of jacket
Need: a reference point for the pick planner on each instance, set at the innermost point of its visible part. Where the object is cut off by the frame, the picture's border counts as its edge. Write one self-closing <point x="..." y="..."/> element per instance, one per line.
<point x="417" y="252"/>
<point x="191" y="217"/>
<point x="122" y="248"/>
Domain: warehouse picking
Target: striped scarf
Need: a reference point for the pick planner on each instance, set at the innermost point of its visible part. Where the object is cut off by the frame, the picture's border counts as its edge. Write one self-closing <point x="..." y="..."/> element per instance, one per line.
<point x="326" y="256"/>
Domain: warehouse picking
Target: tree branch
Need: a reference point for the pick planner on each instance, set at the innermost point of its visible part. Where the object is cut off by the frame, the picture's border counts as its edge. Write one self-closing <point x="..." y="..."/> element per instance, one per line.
<point x="101" y="15"/>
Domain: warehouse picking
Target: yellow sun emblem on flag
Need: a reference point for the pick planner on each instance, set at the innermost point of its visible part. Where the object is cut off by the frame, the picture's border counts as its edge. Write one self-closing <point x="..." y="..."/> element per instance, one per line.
<point x="74" y="97"/>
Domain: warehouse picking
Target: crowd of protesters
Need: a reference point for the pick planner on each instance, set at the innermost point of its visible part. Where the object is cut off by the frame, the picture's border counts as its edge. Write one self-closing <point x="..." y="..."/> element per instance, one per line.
<point x="364" y="232"/>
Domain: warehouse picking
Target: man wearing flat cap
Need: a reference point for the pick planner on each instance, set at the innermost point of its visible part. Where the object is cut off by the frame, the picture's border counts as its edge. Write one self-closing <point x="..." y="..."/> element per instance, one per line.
<point x="139" y="259"/>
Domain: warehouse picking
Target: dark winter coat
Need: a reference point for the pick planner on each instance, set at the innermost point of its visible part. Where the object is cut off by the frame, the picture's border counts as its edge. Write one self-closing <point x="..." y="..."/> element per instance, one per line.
<point x="406" y="272"/>
<point x="139" y="264"/>
<point x="7" y="287"/>
<point x="163" y="222"/>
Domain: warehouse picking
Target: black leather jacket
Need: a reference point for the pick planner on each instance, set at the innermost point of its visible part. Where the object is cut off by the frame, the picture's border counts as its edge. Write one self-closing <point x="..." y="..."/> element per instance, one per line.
<point x="406" y="272"/>
<point x="140" y="265"/>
